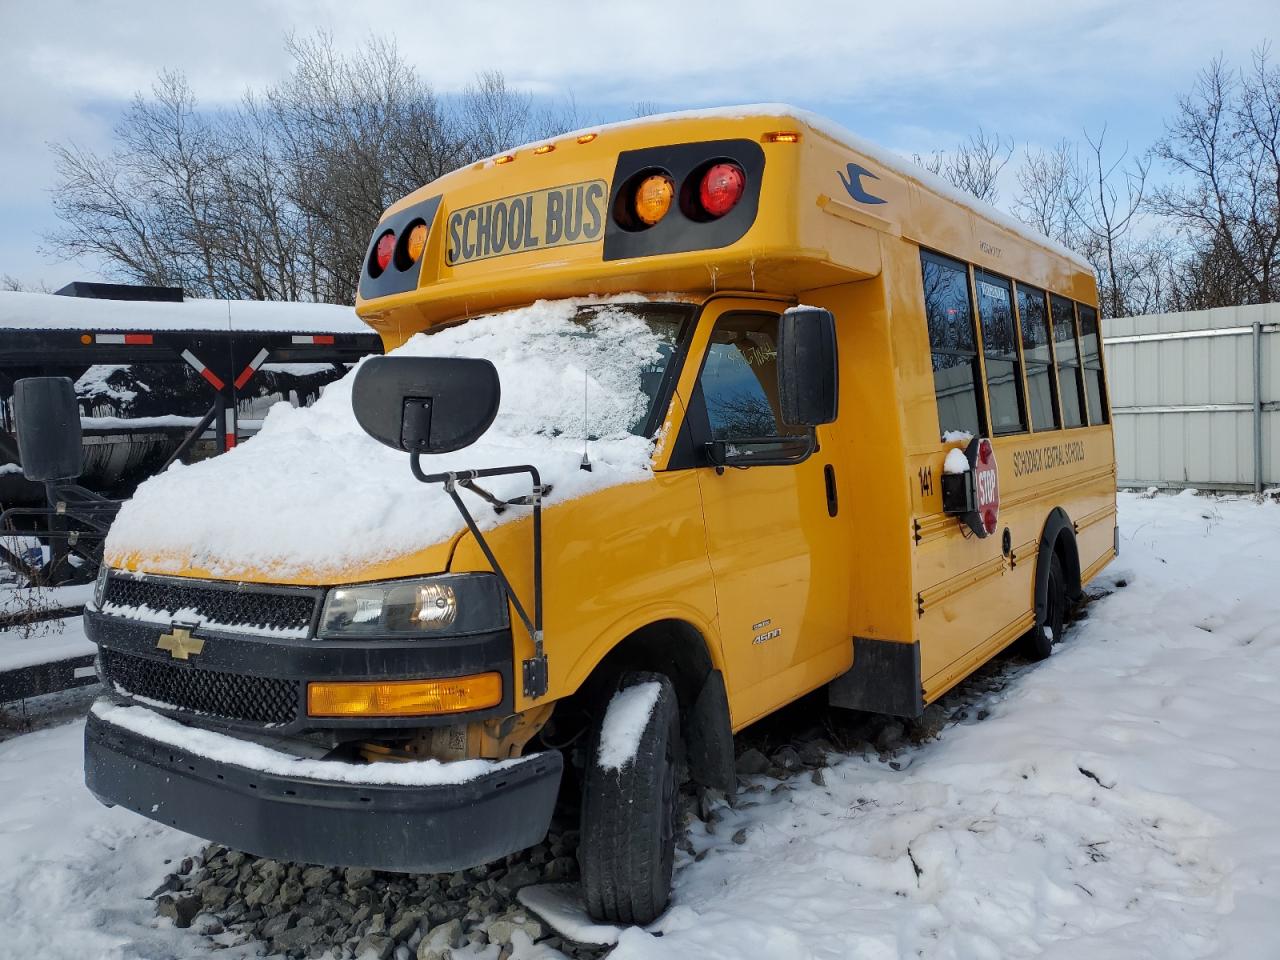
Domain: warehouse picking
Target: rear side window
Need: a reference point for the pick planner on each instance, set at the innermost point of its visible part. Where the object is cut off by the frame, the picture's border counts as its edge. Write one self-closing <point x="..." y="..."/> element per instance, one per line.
<point x="1037" y="354"/>
<point x="1000" y="351"/>
<point x="1064" y="347"/>
<point x="953" y="344"/>
<point x="1091" y="360"/>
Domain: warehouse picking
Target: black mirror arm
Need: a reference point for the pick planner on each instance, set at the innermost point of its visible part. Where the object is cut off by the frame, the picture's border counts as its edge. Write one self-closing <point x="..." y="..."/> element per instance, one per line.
<point x="717" y="450"/>
<point x="535" y="668"/>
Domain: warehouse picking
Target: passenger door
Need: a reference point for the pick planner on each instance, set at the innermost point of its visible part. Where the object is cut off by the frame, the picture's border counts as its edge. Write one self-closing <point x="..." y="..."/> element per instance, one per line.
<point x="774" y="536"/>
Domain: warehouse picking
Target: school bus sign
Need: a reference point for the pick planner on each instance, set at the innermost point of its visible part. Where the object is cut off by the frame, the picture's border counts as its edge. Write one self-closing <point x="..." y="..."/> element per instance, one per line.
<point x="556" y="217"/>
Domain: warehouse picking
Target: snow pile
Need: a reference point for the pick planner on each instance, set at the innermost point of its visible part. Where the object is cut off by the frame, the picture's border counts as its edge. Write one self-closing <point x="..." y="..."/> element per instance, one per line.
<point x="244" y="753"/>
<point x="562" y="906"/>
<point x="1117" y="802"/>
<point x="43" y="311"/>
<point x="95" y="384"/>
<point x="168" y="421"/>
<point x="312" y="492"/>
<point x="956" y="461"/>
<point x="624" y="723"/>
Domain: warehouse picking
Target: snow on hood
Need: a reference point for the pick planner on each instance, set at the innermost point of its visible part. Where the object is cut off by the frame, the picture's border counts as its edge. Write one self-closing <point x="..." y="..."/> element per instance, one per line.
<point x="312" y="494"/>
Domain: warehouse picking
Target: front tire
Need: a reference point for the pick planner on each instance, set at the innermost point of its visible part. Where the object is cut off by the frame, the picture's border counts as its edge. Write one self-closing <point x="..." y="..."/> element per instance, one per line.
<point x="627" y="849"/>
<point x="1038" y="643"/>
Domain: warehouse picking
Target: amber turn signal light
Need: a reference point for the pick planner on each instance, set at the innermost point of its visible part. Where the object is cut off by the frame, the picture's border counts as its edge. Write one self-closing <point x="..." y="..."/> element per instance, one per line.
<point x="404" y="698"/>
<point x="653" y="198"/>
<point x="417" y="242"/>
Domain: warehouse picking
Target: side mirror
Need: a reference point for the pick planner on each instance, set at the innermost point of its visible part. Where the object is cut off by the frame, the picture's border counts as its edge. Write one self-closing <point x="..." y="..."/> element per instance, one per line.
<point x="808" y="367"/>
<point x="48" y="420"/>
<point x="426" y="404"/>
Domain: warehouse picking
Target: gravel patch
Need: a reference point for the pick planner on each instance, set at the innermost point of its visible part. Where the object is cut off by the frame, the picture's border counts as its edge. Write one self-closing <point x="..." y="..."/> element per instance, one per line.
<point x="300" y="910"/>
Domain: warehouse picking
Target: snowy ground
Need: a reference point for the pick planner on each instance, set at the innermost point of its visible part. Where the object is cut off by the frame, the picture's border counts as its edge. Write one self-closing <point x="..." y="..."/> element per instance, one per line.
<point x="1117" y="801"/>
<point x="41" y="641"/>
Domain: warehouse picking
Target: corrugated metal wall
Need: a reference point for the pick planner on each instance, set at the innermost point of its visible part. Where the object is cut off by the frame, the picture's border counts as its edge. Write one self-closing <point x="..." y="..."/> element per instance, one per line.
<point x="1183" y="397"/>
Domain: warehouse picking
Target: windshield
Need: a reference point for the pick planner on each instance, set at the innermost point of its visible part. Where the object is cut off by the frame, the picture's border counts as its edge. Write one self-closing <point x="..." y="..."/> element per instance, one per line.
<point x="580" y="370"/>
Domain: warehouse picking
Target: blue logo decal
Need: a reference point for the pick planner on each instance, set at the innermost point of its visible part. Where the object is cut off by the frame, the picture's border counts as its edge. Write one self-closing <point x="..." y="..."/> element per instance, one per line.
<point x="853" y="183"/>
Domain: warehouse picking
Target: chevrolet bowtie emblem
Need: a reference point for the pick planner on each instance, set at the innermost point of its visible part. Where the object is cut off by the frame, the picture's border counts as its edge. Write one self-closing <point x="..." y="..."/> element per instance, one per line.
<point x="180" y="643"/>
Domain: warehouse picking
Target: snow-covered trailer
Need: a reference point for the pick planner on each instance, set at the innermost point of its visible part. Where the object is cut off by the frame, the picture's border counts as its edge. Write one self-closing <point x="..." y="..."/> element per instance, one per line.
<point x="55" y="529"/>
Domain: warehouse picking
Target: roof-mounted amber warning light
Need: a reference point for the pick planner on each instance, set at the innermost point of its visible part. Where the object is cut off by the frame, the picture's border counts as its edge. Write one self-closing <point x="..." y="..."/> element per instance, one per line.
<point x="653" y="198"/>
<point x="544" y="148"/>
<point x="587" y="137"/>
<point x="504" y="158"/>
<point x="782" y="136"/>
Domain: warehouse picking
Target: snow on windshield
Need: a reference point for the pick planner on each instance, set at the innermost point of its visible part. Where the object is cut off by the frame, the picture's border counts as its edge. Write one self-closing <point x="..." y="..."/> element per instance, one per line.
<point x="312" y="493"/>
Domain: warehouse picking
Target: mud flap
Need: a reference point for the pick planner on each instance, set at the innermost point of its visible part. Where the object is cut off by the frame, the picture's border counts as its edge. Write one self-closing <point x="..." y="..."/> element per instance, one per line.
<point x="709" y="737"/>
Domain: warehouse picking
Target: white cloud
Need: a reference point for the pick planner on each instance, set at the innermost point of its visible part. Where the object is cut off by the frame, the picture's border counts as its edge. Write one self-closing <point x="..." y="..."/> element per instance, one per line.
<point x="1033" y="70"/>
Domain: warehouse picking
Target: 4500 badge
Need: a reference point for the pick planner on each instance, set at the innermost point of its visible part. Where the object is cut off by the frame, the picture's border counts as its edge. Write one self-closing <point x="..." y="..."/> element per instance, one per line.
<point x="555" y="217"/>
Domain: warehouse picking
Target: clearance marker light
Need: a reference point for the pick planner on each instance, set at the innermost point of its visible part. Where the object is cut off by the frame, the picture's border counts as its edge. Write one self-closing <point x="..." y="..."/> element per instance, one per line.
<point x="545" y="148"/>
<point x="653" y="198"/>
<point x="404" y="698"/>
<point x="782" y="136"/>
<point x="587" y="137"/>
<point x="505" y="158"/>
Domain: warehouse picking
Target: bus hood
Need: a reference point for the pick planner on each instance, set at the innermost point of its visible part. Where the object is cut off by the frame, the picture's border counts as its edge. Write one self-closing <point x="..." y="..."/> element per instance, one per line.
<point x="312" y="499"/>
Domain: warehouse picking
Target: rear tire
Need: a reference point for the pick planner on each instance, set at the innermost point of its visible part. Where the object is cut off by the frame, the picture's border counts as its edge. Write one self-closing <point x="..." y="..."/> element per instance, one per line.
<point x="1039" y="641"/>
<point x="627" y="848"/>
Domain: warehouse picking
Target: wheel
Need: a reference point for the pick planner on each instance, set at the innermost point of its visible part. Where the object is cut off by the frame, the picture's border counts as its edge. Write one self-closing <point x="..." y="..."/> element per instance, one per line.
<point x="1039" y="641"/>
<point x="627" y="845"/>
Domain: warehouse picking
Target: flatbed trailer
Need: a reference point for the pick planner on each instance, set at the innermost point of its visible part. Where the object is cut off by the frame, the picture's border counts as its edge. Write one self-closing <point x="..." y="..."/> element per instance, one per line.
<point x="226" y="342"/>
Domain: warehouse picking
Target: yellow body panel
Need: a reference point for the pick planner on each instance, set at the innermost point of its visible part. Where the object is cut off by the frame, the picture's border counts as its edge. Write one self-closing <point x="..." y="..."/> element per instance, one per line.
<point x="739" y="553"/>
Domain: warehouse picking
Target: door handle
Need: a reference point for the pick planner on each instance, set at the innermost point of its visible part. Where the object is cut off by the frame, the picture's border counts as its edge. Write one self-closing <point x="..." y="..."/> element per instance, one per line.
<point x="833" y="501"/>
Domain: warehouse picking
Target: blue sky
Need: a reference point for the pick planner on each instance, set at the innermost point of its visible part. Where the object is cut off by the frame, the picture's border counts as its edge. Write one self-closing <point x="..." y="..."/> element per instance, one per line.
<point x="914" y="76"/>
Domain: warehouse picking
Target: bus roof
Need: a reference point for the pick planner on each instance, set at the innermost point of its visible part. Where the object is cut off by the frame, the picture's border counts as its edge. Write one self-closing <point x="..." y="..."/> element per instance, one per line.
<point x="829" y="128"/>
<point x="556" y="218"/>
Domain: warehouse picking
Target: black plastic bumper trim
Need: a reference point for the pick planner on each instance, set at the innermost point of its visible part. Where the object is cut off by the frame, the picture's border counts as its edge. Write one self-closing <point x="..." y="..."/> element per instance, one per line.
<point x="428" y="829"/>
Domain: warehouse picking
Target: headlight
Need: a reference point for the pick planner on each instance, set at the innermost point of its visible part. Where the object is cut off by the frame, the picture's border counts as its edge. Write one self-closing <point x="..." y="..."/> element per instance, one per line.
<point x="443" y="606"/>
<point x="100" y="587"/>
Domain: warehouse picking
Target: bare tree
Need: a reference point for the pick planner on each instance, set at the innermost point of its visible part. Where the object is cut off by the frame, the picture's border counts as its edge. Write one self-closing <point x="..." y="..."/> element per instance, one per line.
<point x="974" y="165"/>
<point x="1105" y="202"/>
<point x="1095" y="203"/>
<point x="277" y="198"/>
<point x="13" y="284"/>
<point x="1048" y="185"/>
<point x="1223" y="148"/>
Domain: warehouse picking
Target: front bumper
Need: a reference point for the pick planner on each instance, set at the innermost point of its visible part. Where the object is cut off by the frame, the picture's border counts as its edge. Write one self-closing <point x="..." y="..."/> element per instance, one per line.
<point x="239" y="665"/>
<point x="410" y="829"/>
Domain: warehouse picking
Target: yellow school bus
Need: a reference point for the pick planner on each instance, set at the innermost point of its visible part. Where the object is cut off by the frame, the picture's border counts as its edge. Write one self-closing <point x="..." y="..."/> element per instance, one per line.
<point x="880" y="454"/>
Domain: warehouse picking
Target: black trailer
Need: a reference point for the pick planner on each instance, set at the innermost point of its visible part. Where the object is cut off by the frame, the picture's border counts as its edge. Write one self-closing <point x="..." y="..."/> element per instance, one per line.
<point x="227" y="343"/>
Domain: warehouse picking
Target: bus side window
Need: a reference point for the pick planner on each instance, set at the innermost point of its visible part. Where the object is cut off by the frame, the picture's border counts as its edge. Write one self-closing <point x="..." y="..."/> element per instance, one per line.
<point x="953" y="344"/>
<point x="1090" y="358"/>
<point x="1000" y="351"/>
<point x="1064" y="347"/>
<point x="1037" y="353"/>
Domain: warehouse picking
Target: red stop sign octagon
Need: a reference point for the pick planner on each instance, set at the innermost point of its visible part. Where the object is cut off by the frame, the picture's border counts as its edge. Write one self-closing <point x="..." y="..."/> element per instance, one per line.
<point x="986" y="483"/>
